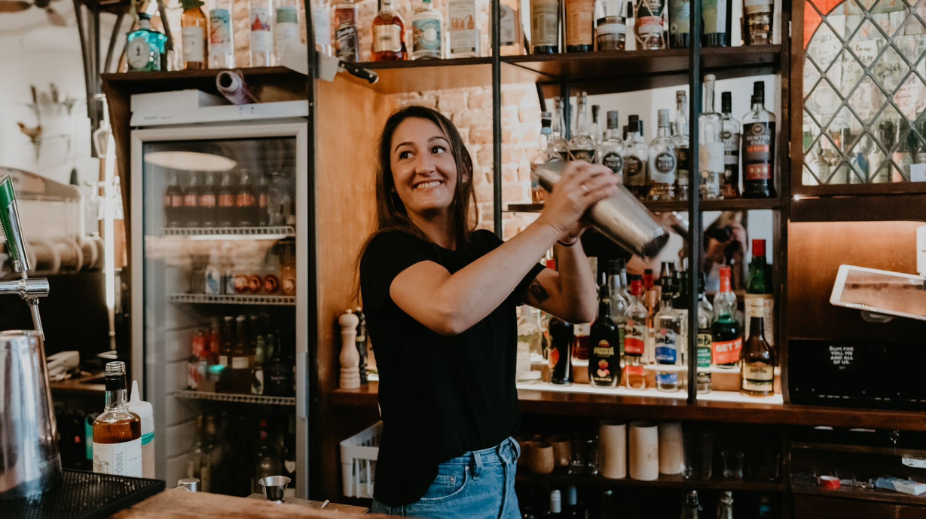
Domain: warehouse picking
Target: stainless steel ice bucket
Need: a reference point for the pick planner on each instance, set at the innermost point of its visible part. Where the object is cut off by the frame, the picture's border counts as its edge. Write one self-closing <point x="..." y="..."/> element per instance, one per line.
<point x="622" y="218"/>
<point x="29" y="461"/>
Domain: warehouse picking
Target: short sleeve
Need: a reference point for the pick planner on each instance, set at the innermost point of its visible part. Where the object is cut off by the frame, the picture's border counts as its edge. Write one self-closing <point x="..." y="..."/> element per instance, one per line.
<point x="385" y="257"/>
<point x="487" y="241"/>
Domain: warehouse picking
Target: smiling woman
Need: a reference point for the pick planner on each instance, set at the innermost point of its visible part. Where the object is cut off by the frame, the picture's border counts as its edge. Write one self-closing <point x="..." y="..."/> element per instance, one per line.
<point x="440" y="302"/>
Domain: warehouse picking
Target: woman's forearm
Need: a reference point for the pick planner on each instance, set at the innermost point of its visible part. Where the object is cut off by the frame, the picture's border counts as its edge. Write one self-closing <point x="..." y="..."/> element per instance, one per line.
<point x="576" y="281"/>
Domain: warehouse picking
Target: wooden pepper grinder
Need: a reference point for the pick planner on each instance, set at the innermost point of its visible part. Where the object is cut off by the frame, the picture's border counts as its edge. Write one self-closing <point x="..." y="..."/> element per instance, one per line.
<point x="350" y="359"/>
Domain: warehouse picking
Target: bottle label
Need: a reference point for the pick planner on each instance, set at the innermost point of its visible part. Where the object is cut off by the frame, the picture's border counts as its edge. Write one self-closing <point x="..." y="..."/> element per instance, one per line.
<point x="615" y="162"/>
<point x="727" y="352"/>
<point x="245" y="199"/>
<point x="634" y="171"/>
<point x="194" y="44"/>
<point x="681" y="165"/>
<point x="602" y="370"/>
<point x="579" y="22"/>
<point x="241" y="284"/>
<point x="761" y="305"/>
<point x="289" y="286"/>
<point x="213" y="282"/>
<point x="662" y="168"/>
<point x="346" y="38"/>
<point x="758" y="377"/>
<point x="226" y="200"/>
<point x="220" y="33"/>
<point x="634" y="335"/>
<point x="606" y="31"/>
<point x="119" y="459"/>
<point x="758" y="150"/>
<point x="271" y="284"/>
<point x="648" y="25"/>
<point x="386" y="38"/>
<point x="176" y="201"/>
<point x="667" y="379"/>
<point x="680" y="16"/>
<point x="638" y="370"/>
<point x="582" y="330"/>
<point x="464" y="31"/>
<point x="261" y="35"/>
<point x="192" y="375"/>
<point x="711" y="157"/>
<point x="731" y="157"/>
<point x="666" y="346"/>
<point x="704" y="348"/>
<point x="554" y="357"/>
<point x="206" y="201"/>
<point x="139" y="53"/>
<point x="286" y="27"/>
<point x="507" y="20"/>
<point x="239" y="363"/>
<point x="426" y="35"/>
<point x="255" y="283"/>
<point x="650" y="9"/>
<point x="544" y="23"/>
<point x="586" y="155"/>
<point x="189" y="200"/>
<point x="714" y="14"/>
<point x="322" y="27"/>
<point x="223" y="361"/>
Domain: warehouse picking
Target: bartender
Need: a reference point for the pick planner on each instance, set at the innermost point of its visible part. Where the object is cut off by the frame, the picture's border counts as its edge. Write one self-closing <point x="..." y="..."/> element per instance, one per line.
<point x="440" y="300"/>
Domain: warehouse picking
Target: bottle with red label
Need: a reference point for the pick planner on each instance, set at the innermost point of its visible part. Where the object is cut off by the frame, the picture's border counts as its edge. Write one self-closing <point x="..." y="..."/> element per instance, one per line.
<point x="759" y="147"/>
<point x="604" y="368"/>
<point x="635" y="332"/>
<point x="191" y="216"/>
<point x="173" y="202"/>
<point x="245" y="202"/>
<point x="226" y="201"/>
<point x="207" y="202"/>
<point x="726" y="332"/>
<point x="563" y="337"/>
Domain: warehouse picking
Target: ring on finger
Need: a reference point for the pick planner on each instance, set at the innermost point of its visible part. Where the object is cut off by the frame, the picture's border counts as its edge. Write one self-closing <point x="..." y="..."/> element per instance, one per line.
<point x="585" y="190"/>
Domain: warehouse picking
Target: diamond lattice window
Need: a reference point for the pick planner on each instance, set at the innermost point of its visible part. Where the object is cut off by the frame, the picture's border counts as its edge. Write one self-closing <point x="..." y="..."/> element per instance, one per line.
<point x="864" y="90"/>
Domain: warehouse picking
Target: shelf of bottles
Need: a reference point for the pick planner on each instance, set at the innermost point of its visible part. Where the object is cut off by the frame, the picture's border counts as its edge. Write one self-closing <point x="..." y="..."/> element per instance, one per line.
<point x="734" y="204"/>
<point x="221" y="233"/>
<point x="237" y="399"/>
<point x="232" y="300"/>
<point x="663" y="481"/>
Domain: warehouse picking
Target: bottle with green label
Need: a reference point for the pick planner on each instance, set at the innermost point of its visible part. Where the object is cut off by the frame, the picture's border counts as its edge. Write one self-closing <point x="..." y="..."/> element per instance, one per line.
<point x="427" y="32"/>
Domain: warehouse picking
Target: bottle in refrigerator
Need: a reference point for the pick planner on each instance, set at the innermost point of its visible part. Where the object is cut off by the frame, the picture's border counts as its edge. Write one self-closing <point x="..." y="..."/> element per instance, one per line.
<point x="191" y="201"/>
<point x="680" y="24"/>
<point x="288" y="270"/>
<point x="730" y="133"/>
<point x="239" y="366"/>
<point x="221" y="36"/>
<point x="214" y="279"/>
<point x="347" y="35"/>
<point x="635" y="333"/>
<point x="545" y="26"/>
<point x="193" y="33"/>
<point x="278" y="375"/>
<point x="261" y="188"/>
<point x="662" y="161"/>
<point x="261" y="24"/>
<point x="285" y="26"/>
<point x="255" y="277"/>
<point x="225" y="211"/>
<point x="464" y="29"/>
<point x="173" y="201"/>
<point x="268" y="464"/>
<point x="246" y="201"/>
<point x="650" y="31"/>
<point x="580" y="19"/>
<point x="271" y="273"/>
<point x="427" y="32"/>
<point x="225" y="354"/>
<point x="711" y="153"/>
<point x="612" y="148"/>
<point x="206" y="203"/>
<point x="257" y="368"/>
<point x="758" y="147"/>
<point x="117" y="431"/>
<point x="228" y="271"/>
<point x="279" y="200"/>
<point x="388" y="35"/>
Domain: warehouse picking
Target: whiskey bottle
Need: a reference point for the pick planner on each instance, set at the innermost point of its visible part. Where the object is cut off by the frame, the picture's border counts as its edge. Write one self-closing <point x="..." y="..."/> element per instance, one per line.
<point x="668" y="327"/>
<point x="582" y="147"/>
<point x="635" y="161"/>
<point x="726" y="335"/>
<point x="604" y="366"/>
<point x="388" y="35"/>
<point x="679" y="24"/>
<point x="285" y="26"/>
<point x="758" y="373"/>
<point x="612" y="148"/>
<point x="261" y="24"/>
<point x="173" y="201"/>
<point x="580" y="19"/>
<point x="759" y="299"/>
<point x="649" y="28"/>
<point x="635" y="333"/>
<point x="680" y="134"/>
<point x="759" y="147"/>
<point x="221" y="36"/>
<point x="545" y="26"/>
<point x="346" y="35"/>
<point x="145" y="48"/>
<point x="117" y="431"/>
<point x="544" y="153"/>
<point x="427" y="32"/>
<point x="563" y="337"/>
<point x="711" y="149"/>
<point x="662" y="161"/>
<point x="757" y="24"/>
<point x="193" y="34"/>
<point x="464" y="29"/>
<point x="730" y="133"/>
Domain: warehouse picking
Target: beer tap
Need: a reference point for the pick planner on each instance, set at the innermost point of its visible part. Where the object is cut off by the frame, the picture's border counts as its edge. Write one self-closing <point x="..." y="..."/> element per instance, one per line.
<point x="30" y="290"/>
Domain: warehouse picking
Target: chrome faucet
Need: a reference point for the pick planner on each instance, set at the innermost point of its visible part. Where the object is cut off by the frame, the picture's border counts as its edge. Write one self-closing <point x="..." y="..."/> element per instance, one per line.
<point x="30" y="290"/>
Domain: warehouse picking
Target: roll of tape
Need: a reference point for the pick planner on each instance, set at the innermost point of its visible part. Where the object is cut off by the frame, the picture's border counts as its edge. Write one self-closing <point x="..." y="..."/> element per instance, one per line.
<point x="830" y="482"/>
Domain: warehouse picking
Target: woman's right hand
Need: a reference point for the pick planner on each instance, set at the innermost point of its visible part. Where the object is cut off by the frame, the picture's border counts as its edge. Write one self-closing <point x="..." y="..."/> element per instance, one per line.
<point x="582" y="185"/>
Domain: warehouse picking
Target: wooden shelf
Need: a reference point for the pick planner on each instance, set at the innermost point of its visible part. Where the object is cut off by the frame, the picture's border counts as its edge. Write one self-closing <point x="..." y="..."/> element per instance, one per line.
<point x="397" y="77"/>
<point x="861" y="208"/>
<point x="874" y="494"/>
<point x="552" y="403"/>
<point x="187" y="75"/>
<point x="664" y="481"/>
<point x="733" y="204"/>
<point x="858" y="449"/>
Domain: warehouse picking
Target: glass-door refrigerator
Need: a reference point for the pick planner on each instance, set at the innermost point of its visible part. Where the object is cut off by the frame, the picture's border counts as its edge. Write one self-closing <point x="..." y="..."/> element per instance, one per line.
<point x="219" y="269"/>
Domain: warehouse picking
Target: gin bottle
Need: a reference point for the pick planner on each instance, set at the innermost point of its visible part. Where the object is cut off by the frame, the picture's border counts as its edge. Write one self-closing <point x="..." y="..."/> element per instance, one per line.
<point x="682" y="151"/>
<point x="668" y="328"/>
<point x="662" y="161"/>
<point x="221" y="36"/>
<point x="427" y="32"/>
<point x="711" y="149"/>
<point x="145" y="47"/>
<point x="285" y="26"/>
<point x="582" y="147"/>
<point x="635" y="161"/>
<point x="730" y="133"/>
<point x="611" y="152"/>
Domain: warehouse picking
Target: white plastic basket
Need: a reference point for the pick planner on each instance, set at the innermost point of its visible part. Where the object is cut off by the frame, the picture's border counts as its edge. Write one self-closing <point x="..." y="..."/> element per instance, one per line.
<point x="358" y="461"/>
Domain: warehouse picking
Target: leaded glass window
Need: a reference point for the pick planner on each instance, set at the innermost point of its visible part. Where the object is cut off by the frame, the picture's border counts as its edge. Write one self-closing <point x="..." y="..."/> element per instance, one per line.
<point x="864" y="90"/>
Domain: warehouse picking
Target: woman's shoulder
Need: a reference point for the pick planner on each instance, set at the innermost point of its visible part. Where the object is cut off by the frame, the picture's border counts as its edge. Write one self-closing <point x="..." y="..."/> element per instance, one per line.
<point x="387" y="239"/>
<point x="484" y="240"/>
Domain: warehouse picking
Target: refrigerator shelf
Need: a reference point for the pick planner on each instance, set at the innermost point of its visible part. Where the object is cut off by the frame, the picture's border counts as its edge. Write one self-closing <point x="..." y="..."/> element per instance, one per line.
<point x="216" y="233"/>
<point x="238" y="399"/>
<point x="232" y="300"/>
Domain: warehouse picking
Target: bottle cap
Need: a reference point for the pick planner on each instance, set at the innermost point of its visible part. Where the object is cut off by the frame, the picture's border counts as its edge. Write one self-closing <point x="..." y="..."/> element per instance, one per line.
<point x="573" y="495"/>
<point x="636" y="287"/>
<point x="726" y="102"/>
<point x="115" y="369"/>
<point x="613" y="119"/>
<point x="710" y="77"/>
<point x="663" y="118"/>
<point x="758" y="248"/>
<point x="725" y="271"/>
<point x="758" y="92"/>
<point x="556" y="502"/>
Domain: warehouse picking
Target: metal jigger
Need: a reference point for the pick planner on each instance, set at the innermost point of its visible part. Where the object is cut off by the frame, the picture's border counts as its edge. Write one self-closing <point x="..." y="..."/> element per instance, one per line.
<point x="274" y="487"/>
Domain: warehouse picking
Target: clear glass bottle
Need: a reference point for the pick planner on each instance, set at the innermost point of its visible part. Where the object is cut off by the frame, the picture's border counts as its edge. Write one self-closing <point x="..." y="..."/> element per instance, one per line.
<point x="618" y="300"/>
<point x="730" y="133"/>
<point x="388" y="35"/>
<point x="635" y="335"/>
<point x="692" y="506"/>
<point x="582" y="147"/>
<point x="285" y="26"/>
<point x="580" y="30"/>
<point x="757" y="23"/>
<point x="711" y="147"/>
<point x="611" y="151"/>
<point x="560" y="144"/>
<point x="611" y="26"/>
<point x="667" y="325"/>
<point x="427" y="32"/>
<point x="759" y="147"/>
<point x="221" y="36"/>
<point x="543" y="154"/>
<point x="726" y="333"/>
<point x="650" y="27"/>
<point x="682" y="146"/>
<point x="261" y="23"/>
<point x="725" y="508"/>
<point x="193" y="33"/>
<point x="545" y="26"/>
<point x="464" y="29"/>
<point x="662" y="161"/>
<point x="347" y="35"/>
<point x="321" y="20"/>
<point x="597" y="134"/>
<point x="511" y="36"/>
<point x="636" y="158"/>
<point x="145" y="47"/>
<point x="117" y="431"/>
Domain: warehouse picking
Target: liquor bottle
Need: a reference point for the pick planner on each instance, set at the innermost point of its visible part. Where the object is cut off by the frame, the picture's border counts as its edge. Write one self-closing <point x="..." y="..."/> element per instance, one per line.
<point x="705" y="378"/>
<point x="117" y="431"/>
<point x="581" y="345"/>
<point x="560" y="144"/>
<point x="619" y="303"/>
<point x="573" y="509"/>
<point x="563" y="337"/>
<point x="765" y="509"/>
<point x="662" y="161"/>
<point x="145" y="48"/>
<point x="388" y="35"/>
<point x="191" y="214"/>
<point x="612" y="148"/>
<point x="464" y="29"/>
<point x="726" y="333"/>
<point x="226" y="201"/>
<point x="725" y="508"/>
<point x="279" y="200"/>
<point x="262" y="199"/>
<point x="692" y="506"/>
<point x="680" y="23"/>
<point x="604" y="366"/>
<point x="321" y="19"/>
<point x="277" y="375"/>
<point x="173" y="201"/>
<point x="257" y="368"/>
<point x="209" y="460"/>
<point x="346" y="35"/>
<point x="730" y="133"/>
<point x="221" y="36"/>
<point x="239" y="372"/>
<point x="544" y="153"/>
<point x="758" y="372"/>
<point x="668" y="327"/>
<point x="682" y="153"/>
<point x="711" y="149"/>
<point x="556" y="505"/>
<point x="757" y="23"/>
<point x="545" y="26"/>
<point x="611" y="26"/>
<point x="246" y="202"/>
<point x="606" y="505"/>
<point x="213" y="284"/>
<point x="759" y="147"/>
<point x="285" y="26"/>
<point x="194" y="455"/>
<point x="580" y="30"/>
<point x="260" y="13"/>
<point x="635" y="161"/>
<point x="427" y="32"/>
<point x="651" y="302"/>
<point x="206" y="202"/>
<point x="510" y="35"/>
<point x="680" y="305"/>
<point x="649" y="25"/>
<point x="193" y="34"/>
<point x="225" y="355"/>
<point x="361" y="342"/>
<point x="759" y="299"/>
<point x="268" y="464"/>
<point x="715" y="18"/>
<point x="597" y="135"/>
<point x="635" y="333"/>
<point x="582" y="147"/>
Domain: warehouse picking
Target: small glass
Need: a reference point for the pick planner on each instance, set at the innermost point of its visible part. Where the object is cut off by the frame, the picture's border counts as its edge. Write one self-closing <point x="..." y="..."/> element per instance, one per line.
<point x="584" y="455"/>
<point x="699" y="451"/>
<point x="732" y="464"/>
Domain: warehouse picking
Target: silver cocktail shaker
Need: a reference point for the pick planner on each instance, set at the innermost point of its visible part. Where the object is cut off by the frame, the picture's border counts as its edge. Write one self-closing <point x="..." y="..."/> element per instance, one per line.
<point x="622" y="218"/>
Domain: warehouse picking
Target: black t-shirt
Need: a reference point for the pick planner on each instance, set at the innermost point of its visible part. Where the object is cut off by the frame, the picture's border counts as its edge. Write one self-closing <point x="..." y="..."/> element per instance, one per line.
<point x="439" y="396"/>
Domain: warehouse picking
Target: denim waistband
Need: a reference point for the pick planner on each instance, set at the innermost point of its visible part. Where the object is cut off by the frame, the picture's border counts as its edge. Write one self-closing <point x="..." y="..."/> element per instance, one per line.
<point x="506" y="452"/>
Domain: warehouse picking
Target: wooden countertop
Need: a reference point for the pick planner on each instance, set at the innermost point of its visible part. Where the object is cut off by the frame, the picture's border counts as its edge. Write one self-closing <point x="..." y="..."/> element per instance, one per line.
<point x="177" y="503"/>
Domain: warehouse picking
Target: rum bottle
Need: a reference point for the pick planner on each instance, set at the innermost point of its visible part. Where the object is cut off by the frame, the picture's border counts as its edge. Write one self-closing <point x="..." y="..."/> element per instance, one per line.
<point x="261" y="23"/>
<point x="635" y="333"/>
<point x="604" y="366"/>
<point x="563" y="337"/>
<point x="388" y="35"/>
<point x="611" y="152"/>
<point x="221" y="36"/>
<point x="193" y="32"/>
<point x="427" y="32"/>
<point x="759" y="147"/>
<point x="662" y="161"/>
<point x="730" y="134"/>
<point x="711" y="159"/>
<point x="668" y="327"/>
<point x="117" y="431"/>
<point x="726" y="335"/>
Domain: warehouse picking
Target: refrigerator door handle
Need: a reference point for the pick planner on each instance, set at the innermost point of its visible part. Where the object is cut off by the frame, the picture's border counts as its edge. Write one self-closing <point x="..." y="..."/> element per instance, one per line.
<point x="302" y="385"/>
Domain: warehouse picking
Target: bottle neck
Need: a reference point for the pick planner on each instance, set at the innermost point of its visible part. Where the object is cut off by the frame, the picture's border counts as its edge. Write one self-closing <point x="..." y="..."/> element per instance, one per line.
<point x="544" y="140"/>
<point x="758" y="103"/>
<point x="757" y="327"/>
<point x="663" y="131"/>
<point x="681" y="118"/>
<point x="115" y="398"/>
<point x="725" y="286"/>
<point x="604" y="308"/>
<point x="708" y="96"/>
<point x="582" y="127"/>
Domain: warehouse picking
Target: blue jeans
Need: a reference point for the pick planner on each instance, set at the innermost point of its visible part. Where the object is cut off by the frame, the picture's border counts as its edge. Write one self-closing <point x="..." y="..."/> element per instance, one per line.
<point x="477" y="485"/>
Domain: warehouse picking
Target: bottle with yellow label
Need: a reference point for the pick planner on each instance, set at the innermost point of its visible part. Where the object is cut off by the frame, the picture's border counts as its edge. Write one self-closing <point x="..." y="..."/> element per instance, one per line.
<point x="604" y="365"/>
